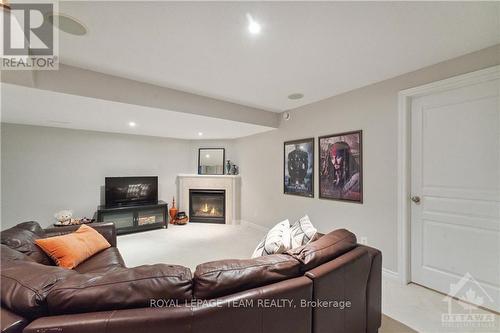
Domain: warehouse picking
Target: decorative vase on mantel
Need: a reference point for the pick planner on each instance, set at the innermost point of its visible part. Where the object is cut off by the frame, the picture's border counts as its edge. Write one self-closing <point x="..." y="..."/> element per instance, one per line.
<point x="228" y="167"/>
<point x="173" y="211"/>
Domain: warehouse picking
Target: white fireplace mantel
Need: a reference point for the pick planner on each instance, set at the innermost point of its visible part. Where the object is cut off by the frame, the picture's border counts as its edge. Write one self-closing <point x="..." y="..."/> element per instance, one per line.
<point x="229" y="183"/>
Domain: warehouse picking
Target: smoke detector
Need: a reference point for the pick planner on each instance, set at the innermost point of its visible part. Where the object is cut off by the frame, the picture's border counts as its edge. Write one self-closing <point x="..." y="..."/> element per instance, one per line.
<point x="295" y="96"/>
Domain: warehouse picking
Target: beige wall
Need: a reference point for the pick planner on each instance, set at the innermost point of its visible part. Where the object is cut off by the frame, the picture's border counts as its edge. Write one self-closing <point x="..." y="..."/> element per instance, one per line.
<point x="46" y="169"/>
<point x="372" y="109"/>
<point x="229" y="146"/>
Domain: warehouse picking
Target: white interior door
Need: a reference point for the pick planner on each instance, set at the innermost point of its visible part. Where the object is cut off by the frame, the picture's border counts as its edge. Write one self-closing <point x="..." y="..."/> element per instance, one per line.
<point x="455" y="161"/>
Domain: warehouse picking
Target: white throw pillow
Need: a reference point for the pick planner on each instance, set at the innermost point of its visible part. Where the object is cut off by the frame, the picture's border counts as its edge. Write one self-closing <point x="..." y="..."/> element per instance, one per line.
<point x="302" y="232"/>
<point x="277" y="240"/>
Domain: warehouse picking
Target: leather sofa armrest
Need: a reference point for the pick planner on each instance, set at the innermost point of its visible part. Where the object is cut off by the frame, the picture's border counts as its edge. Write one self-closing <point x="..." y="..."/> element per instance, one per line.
<point x="374" y="291"/>
<point x="342" y="279"/>
<point x="11" y="322"/>
<point x="106" y="229"/>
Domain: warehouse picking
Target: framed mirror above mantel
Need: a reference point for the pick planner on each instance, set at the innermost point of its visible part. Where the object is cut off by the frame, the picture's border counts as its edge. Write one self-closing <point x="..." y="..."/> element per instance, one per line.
<point x="211" y="161"/>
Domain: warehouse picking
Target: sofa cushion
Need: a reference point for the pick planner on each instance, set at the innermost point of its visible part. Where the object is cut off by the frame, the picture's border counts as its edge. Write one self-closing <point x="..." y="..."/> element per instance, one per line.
<point x="120" y="288"/>
<point x="302" y="232"/>
<point x="224" y="277"/>
<point x="25" y="284"/>
<point x="101" y="262"/>
<point x="276" y="241"/>
<point x="70" y="250"/>
<point x="22" y="238"/>
<point x="326" y="248"/>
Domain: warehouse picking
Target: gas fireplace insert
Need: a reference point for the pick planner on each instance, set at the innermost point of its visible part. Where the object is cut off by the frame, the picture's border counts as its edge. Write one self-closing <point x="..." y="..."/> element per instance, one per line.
<point x="207" y="206"/>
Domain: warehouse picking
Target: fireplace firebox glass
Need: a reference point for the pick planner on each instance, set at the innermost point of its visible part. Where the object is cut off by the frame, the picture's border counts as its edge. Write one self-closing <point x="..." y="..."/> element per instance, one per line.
<point x="208" y="206"/>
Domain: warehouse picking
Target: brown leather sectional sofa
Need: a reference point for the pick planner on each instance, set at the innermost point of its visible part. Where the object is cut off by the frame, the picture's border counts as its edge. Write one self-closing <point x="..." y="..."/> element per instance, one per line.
<point x="330" y="285"/>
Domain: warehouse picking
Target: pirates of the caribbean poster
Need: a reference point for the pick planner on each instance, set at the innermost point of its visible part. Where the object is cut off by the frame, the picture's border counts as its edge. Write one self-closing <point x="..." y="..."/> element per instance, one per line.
<point x="340" y="167"/>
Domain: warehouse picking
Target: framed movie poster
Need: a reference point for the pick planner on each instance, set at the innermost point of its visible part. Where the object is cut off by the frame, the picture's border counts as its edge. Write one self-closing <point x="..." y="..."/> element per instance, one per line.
<point x="299" y="167"/>
<point x="341" y="167"/>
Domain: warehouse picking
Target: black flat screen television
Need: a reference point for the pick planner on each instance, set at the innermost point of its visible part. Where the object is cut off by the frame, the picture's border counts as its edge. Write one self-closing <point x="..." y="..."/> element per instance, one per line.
<point x="131" y="191"/>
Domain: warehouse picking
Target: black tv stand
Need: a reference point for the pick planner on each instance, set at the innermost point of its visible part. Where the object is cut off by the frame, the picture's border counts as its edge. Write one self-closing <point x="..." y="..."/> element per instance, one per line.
<point x="129" y="219"/>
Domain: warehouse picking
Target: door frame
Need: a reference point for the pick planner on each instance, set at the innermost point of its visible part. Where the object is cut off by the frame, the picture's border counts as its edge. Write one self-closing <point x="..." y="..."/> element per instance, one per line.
<point x="404" y="154"/>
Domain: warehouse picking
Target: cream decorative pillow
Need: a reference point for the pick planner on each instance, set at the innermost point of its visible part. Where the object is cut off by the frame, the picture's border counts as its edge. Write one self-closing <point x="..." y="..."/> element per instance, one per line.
<point x="276" y="241"/>
<point x="302" y="232"/>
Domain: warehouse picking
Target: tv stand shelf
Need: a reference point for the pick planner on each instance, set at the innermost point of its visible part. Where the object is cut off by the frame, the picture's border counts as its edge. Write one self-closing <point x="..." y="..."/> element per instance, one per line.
<point x="129" y="219"/>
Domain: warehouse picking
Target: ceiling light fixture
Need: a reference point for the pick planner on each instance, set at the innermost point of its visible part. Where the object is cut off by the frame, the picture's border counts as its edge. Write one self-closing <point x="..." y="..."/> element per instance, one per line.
<point x="253" y="26"/>
<point x="200" y="133"/>
<point x="132" y="124"/>
<point x="295" y="96"/>
<point x="67" y="24"/>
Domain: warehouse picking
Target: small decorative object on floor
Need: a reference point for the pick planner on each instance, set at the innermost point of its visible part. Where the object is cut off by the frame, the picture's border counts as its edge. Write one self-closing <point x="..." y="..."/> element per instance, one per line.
<point x="173" y="211"/>
<point x="181" y="218"/>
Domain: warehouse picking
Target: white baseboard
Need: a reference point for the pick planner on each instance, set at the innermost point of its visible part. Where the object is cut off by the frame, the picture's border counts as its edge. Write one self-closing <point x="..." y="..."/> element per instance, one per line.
<point x="391" y="275"/>
<point x="254" y="226"/>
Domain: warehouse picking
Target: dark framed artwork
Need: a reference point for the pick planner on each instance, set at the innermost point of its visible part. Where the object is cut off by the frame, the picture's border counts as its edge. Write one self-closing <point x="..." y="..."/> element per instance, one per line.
<point x="299" y="167"/>
<point x="341" y="166"/>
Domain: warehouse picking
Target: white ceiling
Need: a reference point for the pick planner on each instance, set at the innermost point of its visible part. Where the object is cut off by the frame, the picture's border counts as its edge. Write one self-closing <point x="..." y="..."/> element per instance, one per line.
<point x="319" y="49"/>
<point x="22" y="105"/>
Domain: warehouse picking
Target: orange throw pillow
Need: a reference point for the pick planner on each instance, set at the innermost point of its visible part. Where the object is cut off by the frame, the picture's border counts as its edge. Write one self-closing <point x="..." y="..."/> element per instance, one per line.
<point x="70" y="250"/>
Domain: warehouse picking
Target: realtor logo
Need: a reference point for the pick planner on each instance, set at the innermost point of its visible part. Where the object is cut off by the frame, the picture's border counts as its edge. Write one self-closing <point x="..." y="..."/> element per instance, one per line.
<point x="469" y="295"/>
<point x="29" y="40"/>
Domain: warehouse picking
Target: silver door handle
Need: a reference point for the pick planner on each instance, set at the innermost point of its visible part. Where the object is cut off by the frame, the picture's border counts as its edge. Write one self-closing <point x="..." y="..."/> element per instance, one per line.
<point x="415" y="199"/>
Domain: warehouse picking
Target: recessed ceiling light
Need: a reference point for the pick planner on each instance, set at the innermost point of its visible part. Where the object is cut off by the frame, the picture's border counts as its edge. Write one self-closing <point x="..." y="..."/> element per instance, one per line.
<point x="295" y="96"/>
<point x="253" y="26"/>
<point x="67" y="24"/>
<point x="207" y="155"/>
<point x="200" y="133"/>
<point x="132" y="124"/>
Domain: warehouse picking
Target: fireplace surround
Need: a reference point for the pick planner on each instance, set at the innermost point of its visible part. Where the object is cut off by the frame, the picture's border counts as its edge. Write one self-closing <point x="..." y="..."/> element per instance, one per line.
<point x="207" y="206"/>
<point x="229" y="183"/>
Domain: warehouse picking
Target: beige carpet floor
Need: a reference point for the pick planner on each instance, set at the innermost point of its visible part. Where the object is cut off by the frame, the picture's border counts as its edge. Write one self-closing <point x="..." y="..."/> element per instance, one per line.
<point x="390" y="325"/>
